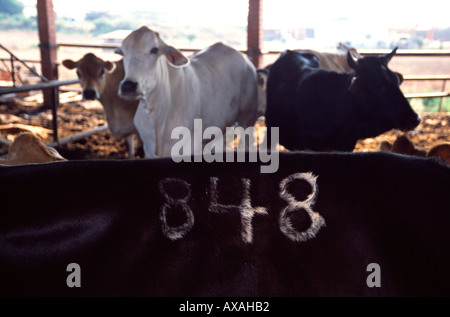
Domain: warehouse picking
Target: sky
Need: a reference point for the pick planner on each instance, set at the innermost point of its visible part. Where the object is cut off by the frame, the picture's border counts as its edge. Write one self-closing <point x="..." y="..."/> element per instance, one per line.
<point x="277" y="13"/>
<point x="395" y="13"/>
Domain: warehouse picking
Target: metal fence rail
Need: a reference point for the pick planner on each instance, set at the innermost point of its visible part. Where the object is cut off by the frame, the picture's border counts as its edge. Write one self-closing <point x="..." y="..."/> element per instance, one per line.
<point x="14" y="58"/>
<point x="400" y="52"/>
<point x="441" y="94"/>
<point x="364" y="52"/>
<point x="54" y="86"/>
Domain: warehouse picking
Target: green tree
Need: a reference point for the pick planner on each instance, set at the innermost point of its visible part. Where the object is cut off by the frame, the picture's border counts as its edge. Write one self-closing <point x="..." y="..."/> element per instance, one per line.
<point x="11" y="7"/>
<point x="12" y="17"/>
<point x="191" y="37"/>
<point x="102" y="25"/>
<point x="94" y="15"/>
<point x="431" y="104"/>
<point x="127" y="23"/>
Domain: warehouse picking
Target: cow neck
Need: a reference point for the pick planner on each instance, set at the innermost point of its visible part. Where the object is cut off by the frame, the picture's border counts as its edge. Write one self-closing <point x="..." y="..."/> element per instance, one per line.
<point x="110" y="90"/>
<point x="118" y="111"/>
<point x="108" y="97"/>
<point x="162" y="99"/>
<point x="363" y="119"/>
<point x="159" y="97"/>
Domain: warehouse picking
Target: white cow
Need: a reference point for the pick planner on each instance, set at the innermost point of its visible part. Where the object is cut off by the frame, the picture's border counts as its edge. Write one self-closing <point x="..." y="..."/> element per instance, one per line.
<point x="217" y="85"/>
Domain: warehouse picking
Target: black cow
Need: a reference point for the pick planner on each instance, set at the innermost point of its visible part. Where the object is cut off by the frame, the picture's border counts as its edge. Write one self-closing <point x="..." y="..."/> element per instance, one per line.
<point x="321" y="110"/>
<point x="317" y="227"/>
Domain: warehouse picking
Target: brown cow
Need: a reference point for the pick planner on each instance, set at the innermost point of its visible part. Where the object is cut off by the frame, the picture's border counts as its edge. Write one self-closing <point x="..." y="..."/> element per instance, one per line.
<point x="335" y="61"/>
<point x="441" y="151"/>
<point x="403" y="145"/>
<point x="27" y="149"/>
<point x="100" y="80"/>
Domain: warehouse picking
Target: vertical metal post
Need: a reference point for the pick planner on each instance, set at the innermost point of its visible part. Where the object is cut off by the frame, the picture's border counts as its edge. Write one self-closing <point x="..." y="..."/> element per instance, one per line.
<point x="255" y="31"/>
<point x="13" y="72"/>
<point x="442" y="98"/>
<point x="55" y="97"/>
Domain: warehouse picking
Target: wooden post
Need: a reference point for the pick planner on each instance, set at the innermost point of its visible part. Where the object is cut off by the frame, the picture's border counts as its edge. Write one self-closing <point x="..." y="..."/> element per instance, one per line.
<point x="255" y="31"/>
<point x="48" y="47"/>
<point x="47" y="39"/>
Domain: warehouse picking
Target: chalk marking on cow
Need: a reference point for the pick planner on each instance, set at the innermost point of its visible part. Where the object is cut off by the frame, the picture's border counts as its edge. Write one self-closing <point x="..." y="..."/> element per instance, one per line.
<point x="245" y="208"/>
<point x="317" y="221"/>
<point x="248" y="212"/>
<point x="175" y="233"/>
<point x="214" y="205"/>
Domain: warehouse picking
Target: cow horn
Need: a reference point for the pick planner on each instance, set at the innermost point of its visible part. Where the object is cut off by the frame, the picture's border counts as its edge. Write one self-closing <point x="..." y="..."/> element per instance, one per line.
<point x="352" y="60"/>
<point x="389" y="56"/>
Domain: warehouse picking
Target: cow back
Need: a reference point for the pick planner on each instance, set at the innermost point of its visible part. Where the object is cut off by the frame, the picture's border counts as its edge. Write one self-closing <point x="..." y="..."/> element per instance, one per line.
<point x="198" y="229"/>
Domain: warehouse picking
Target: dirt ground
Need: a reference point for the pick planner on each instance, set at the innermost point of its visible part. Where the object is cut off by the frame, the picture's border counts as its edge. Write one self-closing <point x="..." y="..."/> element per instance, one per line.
<point x="19" y="115"/>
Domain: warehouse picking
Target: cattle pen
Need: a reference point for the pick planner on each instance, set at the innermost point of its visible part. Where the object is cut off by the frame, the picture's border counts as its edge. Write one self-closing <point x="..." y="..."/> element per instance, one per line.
<point x="435" y="83"/>
<point x="339" y="192"/>
<point x="50" y="48"/>
<point x="269" y="56"/>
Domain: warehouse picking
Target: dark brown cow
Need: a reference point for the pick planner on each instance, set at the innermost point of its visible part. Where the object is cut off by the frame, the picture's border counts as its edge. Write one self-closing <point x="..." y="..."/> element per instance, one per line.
<point x="320" y="110"/>
<point x="371" y="224"/>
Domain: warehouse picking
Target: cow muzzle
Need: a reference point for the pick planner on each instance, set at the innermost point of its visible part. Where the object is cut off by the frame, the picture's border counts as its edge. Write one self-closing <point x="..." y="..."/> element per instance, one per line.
<point x="411" y="123"/>
<point x="90" y="94"/>
<point x="129" y="89"/>
<point x="415" y="121"/>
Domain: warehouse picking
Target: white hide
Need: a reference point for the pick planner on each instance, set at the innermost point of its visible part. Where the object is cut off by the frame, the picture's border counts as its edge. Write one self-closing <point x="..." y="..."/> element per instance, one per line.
<point x="218" y="85"/>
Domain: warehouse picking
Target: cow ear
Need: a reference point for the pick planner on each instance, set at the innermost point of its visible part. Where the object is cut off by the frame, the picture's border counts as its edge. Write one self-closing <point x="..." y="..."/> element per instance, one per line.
<point x="119" y="51"/>
<point x="399" y="78"/>
<point x="356" y="86"/>
<point x="352" y="60"/>
<point x="174" y="56"/>
<point x="69" y="64"/>
<point x="109" y="67"/>
<point x="385" y="146"/>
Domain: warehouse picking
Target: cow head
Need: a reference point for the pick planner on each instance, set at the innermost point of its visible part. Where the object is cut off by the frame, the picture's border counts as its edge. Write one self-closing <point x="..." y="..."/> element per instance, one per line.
<point x="145" y="56"/>
<point x="91" y="71"/>
<point x="377" y="89"/>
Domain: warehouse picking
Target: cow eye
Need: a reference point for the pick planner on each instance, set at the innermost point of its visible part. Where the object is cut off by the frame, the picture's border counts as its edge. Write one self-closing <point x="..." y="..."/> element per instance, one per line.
<point x="101" y="72"/>
<point x="78" y="73"/>
<point x="154" y="50"/>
